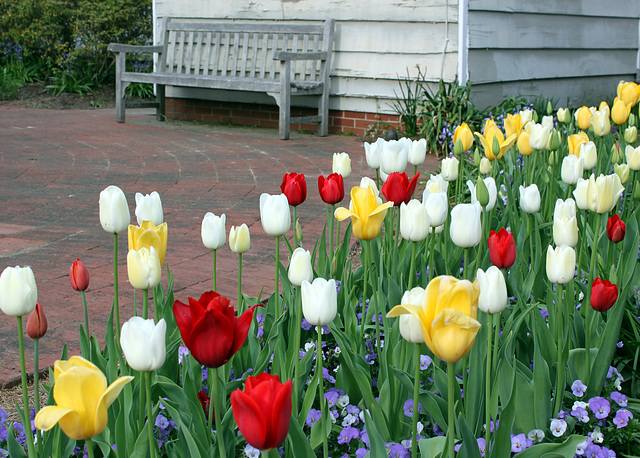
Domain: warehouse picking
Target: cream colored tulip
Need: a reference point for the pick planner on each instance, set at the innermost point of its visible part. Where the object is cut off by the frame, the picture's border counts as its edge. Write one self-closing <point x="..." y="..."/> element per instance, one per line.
<point x="631" y="134"/>
<point x="623" y="171"/>
<point x="143" y="267"/>
<point x="414" y="221"/>
<point x="601" y="123"/>
<point x="437" y="183"/>
<point x="561" y="264"/>
<point x="565" y="223"/>
<point x="632" y="156"/>
<point x="239" y="239"/>
<point x="341" y="164"/>
<point x="589" y="155"/>
<point x="410" y="327"/>
<point x="572" y="169"/>
<point x="485" y="166"/>
<point x="599" y="195"/>
<point x="449" y="167"/>
<point x="274" y="214"/>
<point x="300" y="268"/>
<point x="366" y="182"/>
<point x="564" y="115"/>
<point x="539" y="136"/>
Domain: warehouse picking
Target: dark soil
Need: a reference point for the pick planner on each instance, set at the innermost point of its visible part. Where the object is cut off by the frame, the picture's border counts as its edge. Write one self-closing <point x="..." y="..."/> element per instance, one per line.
<point x="37" y="95"/>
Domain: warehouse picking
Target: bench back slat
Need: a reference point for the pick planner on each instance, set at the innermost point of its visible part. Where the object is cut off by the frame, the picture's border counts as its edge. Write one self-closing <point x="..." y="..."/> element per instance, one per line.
<point x="233" y="49"/>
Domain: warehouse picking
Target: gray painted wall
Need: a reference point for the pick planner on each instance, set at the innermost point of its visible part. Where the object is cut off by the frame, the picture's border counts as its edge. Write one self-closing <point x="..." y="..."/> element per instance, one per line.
<point x="572" y="51"/>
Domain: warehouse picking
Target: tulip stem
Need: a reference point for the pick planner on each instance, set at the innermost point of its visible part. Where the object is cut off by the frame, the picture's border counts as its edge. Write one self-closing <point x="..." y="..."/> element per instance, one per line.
<point x="295" y="234"/>
<point x="240" y="302"/>
<point x="487" y="408"/>
<point x="412" y="267"/>
<point x="466" y="262"/>
<point x="587" y="303"/>
<point x="560" y="374"/>
<point x="331" y="253"/>
<point x="451" y="426"/>
<point x="36" y="388"/>
<point x="116" y="304"/>
<point x="89" y="443"/>
<point x="277" y="288"/>
<point x="145" y="303"/>
<point x="217" y="395"/>
<point x="150" y="422"/>
<point x="323" y="407"/>
<point x="86" y="315"/>
<point x="365" y="270"/>
<point x="531" y="241"/>
<point x="215" y="277"/>
<point x="296" y="349"/>
<point x="416" y="404"/>
<point x="25" y="395"/>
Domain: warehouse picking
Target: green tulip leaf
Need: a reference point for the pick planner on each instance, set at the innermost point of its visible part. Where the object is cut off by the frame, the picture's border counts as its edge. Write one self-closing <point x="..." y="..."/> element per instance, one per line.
<point x="299" y="441"/>
<point x="469" y="447"/>
<point x="566" y="449"/>
<point x="432" y="447"/>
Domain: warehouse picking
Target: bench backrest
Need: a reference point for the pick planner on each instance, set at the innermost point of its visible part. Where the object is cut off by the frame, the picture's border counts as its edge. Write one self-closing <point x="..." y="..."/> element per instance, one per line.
<point x="242" y="50"/>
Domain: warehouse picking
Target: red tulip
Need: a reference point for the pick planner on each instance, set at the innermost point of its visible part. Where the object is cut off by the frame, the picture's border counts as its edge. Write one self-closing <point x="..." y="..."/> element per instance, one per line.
<point x="79" y="276"/>
<point x="616" y="229"/>
<point x="502" y="248"/>
<point x="262" y="410"/>
<point x="37" y="323"/>
<point x="205" y="403"/>
<point x="398" y="188"/>
<point x="294" y="186"/>
<point x="331" y="188"/>
<point x="603" y="294"/>
<point x="210" y="329"/>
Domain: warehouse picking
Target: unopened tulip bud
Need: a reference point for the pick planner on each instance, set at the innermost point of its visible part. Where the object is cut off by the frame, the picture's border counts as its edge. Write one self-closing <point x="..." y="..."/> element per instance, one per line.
<point x="37" y="323"/>
<point x="623" y="171"/>
<point x="553" y="158"/>
<point x="298" y="229"/>
<point x="534" y="116"/>
<point x="496" y="145"/>
<point x="549" y="108"/>
<point x="300" y="268"/>
<point x="482" y="193"/>
<point x="615" y="153"/>
<point x="485" y="166"/>
<point x="632" y="120"/>
<point x="458" y="148"/>
<point x="476" y="157"/>
<point x="554" y="140"/>
<point x="78" y="276"/>
<point x="636" y="190"/>
<point x="631" y="134"/>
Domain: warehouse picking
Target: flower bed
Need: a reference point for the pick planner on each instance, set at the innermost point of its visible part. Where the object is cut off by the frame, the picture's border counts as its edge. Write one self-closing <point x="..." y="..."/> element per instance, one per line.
<point x="495" y="316"/>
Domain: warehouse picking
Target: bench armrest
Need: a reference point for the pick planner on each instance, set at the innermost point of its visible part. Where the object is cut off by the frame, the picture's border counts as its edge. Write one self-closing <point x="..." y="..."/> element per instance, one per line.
<point x="289" y="55"/>
<point x="117" y="47"/>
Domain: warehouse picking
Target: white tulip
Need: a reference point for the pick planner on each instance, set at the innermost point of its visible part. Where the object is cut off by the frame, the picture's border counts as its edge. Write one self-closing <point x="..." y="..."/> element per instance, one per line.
<point x="493" y="290"/>
<point x="539" y="136"/>
<point x="437" y="183"/>
<point x="572" y="169"/>
<point x="274" y="214"/>
<point x="143" y="343"/>
<point x="437" y="205"/>
<point x="589" y="155"/>
<point x="300" y="268"/>
<point x="547" y="121"/>
<point x="633" y="157"/>
<point x="372" y="155"/>
<point x="414" y="221"/>
<point x="18" y="291"/>
<point x="485" y="166"/>
<point x="410" y="327"/>
<point x="466" y="228"/>
<point x="565" y="223"/>
<point x="530" y="198"/>
<point x="114" y="210"/>
<point x="149" y="208"/>
<point x="213" y="231"/>
<point x="393" y="157"/>
<point x="367" y="182"/>
<point x="417" y="152"/>
<point x="319" y="301"/>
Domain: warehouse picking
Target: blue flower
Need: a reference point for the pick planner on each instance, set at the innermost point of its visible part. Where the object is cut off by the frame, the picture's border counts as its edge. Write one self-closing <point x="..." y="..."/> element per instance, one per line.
<point x="332" y="398"/>
<point x="519" y="443"/>
<point x="619" y="398"/>
<point x="408" y="408"/>
<point x="622" y="418"/>
<point x="348" y="434"/>
<point x="581" y="414"/>
<point x="306" y="325"/>
<point x="313" y="416"/>
<point x="578" y="388"/>
<point x="600" y="407"/>
<point x="396" y="450"/>
<point x="425" y="362"/>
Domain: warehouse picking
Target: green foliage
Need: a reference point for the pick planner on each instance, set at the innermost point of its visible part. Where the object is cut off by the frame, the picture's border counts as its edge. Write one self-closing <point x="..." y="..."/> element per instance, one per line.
<point x="140" y="90"/>
<point x="68" y="39"/>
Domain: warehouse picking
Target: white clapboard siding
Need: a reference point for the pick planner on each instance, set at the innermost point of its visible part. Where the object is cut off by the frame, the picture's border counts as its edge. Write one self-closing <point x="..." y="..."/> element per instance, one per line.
<point x="376" y="42"/>
<point x="551" y="48"/>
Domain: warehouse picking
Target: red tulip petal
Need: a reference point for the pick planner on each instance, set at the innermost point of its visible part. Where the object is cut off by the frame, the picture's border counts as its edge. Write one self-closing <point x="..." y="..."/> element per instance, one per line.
<point x="212" y="339"/>
<point x="182" y="312"/>
<point x="411" y="188"/>
<point x="241" y="329"/>
<point x="249" y="418"/>
<point x="280" y="414"/>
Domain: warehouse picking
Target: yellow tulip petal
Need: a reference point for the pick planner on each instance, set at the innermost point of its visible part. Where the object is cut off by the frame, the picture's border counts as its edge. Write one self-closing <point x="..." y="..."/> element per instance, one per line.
<point x="342" y="213"/>
<point x="382" y="208"/>
<point x="453" y="334"/>
<point x="110" y="395"/>
<point x="61" y="366"/>
<point x="485" y="147"/>
<point x="49" y="416"/>
<point x="80" y="389"/>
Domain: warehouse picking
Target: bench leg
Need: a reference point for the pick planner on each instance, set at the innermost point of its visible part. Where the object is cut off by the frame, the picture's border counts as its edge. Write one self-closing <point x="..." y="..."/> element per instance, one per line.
<point x="121" y="103"/>
<point x="323" y="112"/>
<point x="160" y="111"/>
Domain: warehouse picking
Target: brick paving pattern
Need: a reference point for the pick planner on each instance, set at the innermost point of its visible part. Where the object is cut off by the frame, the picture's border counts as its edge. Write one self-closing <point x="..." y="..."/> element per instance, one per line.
<point x="53" y="165"/>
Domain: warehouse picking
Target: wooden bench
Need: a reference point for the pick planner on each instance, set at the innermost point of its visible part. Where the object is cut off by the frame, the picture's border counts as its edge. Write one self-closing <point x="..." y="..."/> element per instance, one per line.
<point x="277" y="58"/>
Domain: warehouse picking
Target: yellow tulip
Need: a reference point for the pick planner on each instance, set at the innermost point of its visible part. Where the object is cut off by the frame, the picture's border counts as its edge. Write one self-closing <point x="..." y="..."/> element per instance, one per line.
<point x="583" y="117"/>
<point x="149" y="235"/>
<point x="487" y="141"/>
<point x="513" y="125"/>
<point x="464" y="134"/>
<point x="448" y="316"/>
<point x="367" y="213"/>
<point x="523" y="144"/>
<point x="575" y="141"/>
<point x="629" y="92"/>
<point x="604" y="106"/>
<point x="620" y="111"/>
<point x="82" y="399"/>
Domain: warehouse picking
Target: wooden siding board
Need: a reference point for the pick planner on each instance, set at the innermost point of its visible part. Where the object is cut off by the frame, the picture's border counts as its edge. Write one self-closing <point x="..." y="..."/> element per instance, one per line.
<point x="531" y="31"/>
<point x="610" y="8"/>
<point x="488" y="66"/>
<point x="352" y="10"/>
<point x="571" y="92"/>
